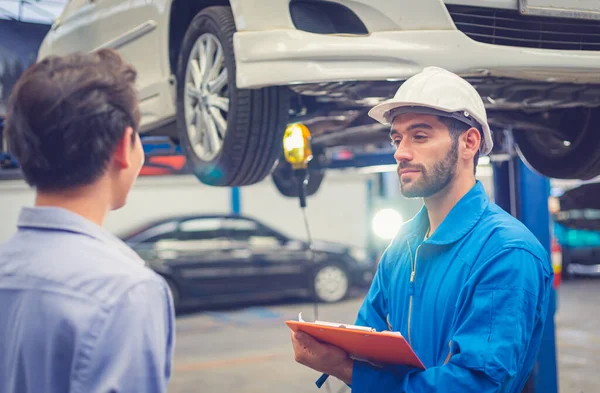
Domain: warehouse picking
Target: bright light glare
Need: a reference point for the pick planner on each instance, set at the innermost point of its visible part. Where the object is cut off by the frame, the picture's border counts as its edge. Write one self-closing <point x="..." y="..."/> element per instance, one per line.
<point x="387" y="223"/>
<point x="294" y="141"/>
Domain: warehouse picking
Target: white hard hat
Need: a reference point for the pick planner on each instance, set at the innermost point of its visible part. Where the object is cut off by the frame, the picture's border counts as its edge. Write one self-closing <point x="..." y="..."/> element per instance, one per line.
<point x="438" y="91"/>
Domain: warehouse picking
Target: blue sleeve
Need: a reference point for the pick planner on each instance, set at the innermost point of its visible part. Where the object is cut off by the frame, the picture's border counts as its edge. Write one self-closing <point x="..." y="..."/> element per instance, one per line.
<point x="134" y="344"/>
<point x="500" y="311"/>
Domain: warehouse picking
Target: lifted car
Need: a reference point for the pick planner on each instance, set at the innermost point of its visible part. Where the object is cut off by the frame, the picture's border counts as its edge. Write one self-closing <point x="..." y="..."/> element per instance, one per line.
<point x="224" y="78"/>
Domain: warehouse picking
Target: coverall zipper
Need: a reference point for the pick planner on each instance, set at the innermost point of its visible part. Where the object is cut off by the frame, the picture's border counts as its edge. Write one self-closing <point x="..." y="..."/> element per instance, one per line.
<point x="412" y="285"/>
<point x="411" y="292"/>
<point x="449" y="352"/>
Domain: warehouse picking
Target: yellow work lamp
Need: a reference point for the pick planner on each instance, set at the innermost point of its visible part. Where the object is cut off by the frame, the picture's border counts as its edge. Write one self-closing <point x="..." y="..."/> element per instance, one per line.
<point x="296" y="145"/>
<point x="298" y="152"/>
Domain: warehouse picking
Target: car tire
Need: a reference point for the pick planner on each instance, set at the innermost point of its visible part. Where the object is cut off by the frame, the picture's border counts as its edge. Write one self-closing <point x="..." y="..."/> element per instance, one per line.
<point x="330" y="283"/>
<point x="236" y="137"/>
<point x="287" y="184"/>
<point x="551" y="157"/>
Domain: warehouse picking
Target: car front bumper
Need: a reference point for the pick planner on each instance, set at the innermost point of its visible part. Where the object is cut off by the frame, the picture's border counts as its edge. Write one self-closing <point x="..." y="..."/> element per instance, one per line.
<point x="362" y="275"/>
<point x="288" y="56"/>
<point x="576" y="268"/>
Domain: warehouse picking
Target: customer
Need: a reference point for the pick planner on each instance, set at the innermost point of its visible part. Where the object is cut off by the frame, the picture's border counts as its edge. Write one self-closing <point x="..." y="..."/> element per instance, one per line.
<point x="464" y="282"/>
<point x="79" y="310"/>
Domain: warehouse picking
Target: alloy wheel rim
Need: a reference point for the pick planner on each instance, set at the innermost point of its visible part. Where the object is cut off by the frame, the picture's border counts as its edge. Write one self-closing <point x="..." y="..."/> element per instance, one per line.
<point x="206" y="97"/>
<point x="331" y="284"/>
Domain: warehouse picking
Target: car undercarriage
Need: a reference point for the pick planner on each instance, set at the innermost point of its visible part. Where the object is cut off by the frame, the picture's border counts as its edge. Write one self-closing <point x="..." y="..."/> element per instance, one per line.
<point x="336" y="113"/>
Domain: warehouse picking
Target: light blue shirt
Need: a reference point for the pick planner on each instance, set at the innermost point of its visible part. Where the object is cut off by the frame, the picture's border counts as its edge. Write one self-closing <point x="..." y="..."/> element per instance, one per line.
<point x="79" y="311"/>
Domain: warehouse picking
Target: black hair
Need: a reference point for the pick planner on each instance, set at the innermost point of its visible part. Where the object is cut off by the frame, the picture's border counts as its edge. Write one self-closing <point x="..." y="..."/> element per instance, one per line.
<point x="456" y="129"/>
<point x="66" y="116"/>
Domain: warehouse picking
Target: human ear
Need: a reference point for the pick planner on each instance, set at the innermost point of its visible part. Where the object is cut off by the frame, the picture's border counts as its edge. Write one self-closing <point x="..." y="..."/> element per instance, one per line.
<point x="471" y="140"/>
<point x="122" y="155"/>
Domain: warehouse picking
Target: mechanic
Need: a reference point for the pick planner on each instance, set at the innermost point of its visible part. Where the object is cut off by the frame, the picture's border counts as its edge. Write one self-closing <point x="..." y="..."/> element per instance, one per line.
<point x="464" y="282"/>
<point x="80" y="311"/>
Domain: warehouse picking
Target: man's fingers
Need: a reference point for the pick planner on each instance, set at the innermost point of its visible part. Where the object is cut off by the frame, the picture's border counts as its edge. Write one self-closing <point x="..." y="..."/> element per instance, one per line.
<point x="301" y="337"/>
<point x="311" y="344"/>
<point x="304" y="348"/>
<point x="298" y="339"/>
<point x="314" y="354"/>
<point x="299" y="348"/>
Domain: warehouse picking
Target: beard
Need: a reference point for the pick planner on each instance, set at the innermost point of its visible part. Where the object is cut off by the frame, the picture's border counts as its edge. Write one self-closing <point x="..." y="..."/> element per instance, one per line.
<point x="431" y="181"/>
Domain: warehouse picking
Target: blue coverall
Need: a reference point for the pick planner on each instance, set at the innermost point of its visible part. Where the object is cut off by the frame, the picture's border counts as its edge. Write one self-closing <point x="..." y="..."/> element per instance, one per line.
<point x="471" y="300"/>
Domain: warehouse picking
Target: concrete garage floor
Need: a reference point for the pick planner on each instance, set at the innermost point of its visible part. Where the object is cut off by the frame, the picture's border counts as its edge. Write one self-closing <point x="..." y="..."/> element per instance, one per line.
<point x="578" y="335"/>
<point x="248" y="350"/>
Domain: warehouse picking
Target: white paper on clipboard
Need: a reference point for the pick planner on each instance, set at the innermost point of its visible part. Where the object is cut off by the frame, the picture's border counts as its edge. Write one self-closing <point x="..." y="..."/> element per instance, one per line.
<point x="338" y="325"/>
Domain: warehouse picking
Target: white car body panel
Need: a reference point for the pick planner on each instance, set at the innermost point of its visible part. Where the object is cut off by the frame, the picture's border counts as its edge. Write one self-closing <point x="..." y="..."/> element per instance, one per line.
<point x="405" y="36"/>
<point x="503" y="4"/>
<point x="294" y="57"/>
<point x="377" y="15"/>
<point x="139" y="30"/>
<point x="403" y="40"/>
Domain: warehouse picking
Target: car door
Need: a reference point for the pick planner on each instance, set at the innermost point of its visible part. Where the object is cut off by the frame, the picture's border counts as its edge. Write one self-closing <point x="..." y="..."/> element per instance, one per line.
<point x="209" y="262"/>
<point x="134" y="28"/>
<point x="150" y="245"/>
<point x="248" y="272"/>
<point x="279" y="262"/>
<point x="70" y="31"/>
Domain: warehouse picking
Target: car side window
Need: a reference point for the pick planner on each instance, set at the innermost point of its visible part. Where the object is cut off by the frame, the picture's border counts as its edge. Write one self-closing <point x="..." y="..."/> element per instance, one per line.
<point x="251" y="232"/>
<point x="241" y="229"/>
<point x="156" y="233"/>
<point x="198" y="229"/>
<point x="167" y="236"/>
<point x="202" y="234"/>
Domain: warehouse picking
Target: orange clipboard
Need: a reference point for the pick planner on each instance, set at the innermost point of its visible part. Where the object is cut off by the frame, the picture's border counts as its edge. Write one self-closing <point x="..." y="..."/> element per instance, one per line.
<point x="381" y="347"/>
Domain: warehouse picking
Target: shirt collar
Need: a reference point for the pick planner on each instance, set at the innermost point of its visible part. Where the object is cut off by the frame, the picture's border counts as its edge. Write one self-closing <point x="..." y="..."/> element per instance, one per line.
<point x="461" y="219"/>
<point x="60" y="219"/>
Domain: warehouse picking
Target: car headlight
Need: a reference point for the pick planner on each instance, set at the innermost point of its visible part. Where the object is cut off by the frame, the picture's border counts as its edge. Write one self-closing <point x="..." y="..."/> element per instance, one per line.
<point x="359" y="254"/>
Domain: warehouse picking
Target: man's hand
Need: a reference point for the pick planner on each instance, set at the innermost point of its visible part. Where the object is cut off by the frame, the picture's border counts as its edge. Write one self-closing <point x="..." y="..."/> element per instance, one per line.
<point x="325" y="358"/>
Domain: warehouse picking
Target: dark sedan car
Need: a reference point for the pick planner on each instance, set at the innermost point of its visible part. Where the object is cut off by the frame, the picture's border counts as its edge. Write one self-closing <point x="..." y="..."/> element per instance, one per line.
<point x="222" y="259"/>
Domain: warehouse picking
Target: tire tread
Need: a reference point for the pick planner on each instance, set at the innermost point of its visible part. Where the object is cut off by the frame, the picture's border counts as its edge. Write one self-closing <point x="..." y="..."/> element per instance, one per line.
<point x="253" y="141"/>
